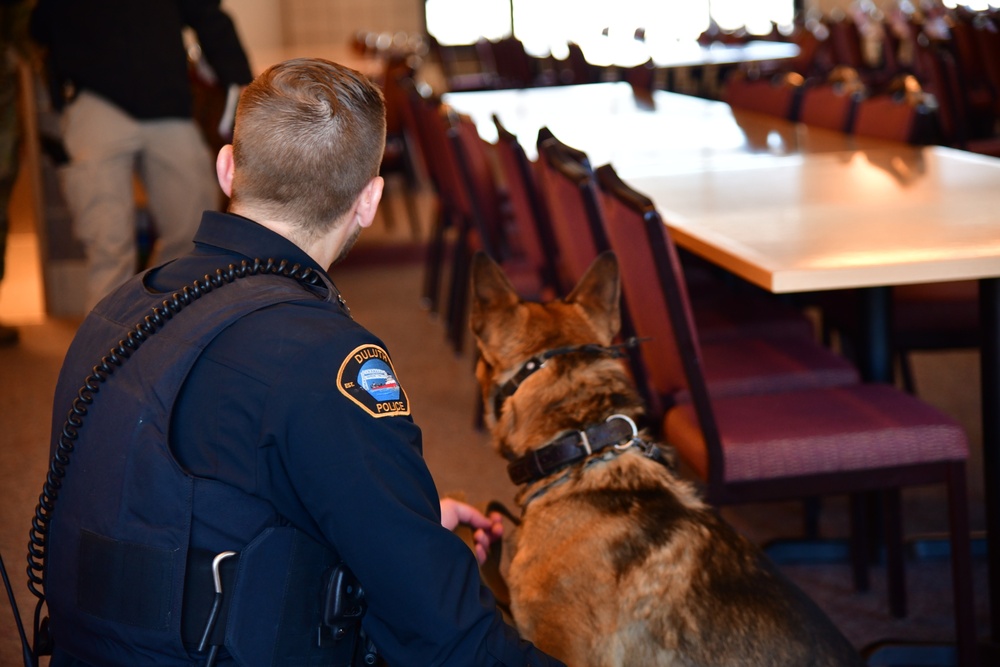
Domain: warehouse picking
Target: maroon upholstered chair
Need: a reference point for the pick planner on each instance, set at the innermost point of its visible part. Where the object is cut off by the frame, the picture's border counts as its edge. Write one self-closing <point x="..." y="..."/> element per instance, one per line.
<point x="569" y="194"/>
<point x="532" y="231"/>
<point x="425" y="111"/>
<point x="850" y="439"/>
<point x="480" y="223"/>
<point x="831" y="104"/>
<point x="845" y="42"/>
<point x="775" y="95"/>
<point x="967" y="120"/>
<point x="398" y="158"/>
<point x="924" y="316"/>
<point x="901" y="115"/>
<point x="580" y="70"/>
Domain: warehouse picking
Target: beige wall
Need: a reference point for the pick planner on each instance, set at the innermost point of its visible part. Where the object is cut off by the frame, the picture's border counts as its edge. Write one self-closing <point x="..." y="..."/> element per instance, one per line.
<point x="257" y="21"/>
<point x="265" y="24"/>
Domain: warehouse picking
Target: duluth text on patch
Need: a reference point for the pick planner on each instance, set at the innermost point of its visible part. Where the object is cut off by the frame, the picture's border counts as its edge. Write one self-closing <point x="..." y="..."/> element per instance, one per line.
<point x="367" y="378"/>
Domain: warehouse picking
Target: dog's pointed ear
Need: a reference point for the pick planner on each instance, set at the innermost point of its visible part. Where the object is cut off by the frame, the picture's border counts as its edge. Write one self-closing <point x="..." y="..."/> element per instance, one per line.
<point x="599" y="294"/>
<point x="492" y="293"/>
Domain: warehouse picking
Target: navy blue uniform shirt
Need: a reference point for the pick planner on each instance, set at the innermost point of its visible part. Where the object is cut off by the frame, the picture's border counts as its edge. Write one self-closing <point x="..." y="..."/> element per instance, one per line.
<point x="298" y="404"/>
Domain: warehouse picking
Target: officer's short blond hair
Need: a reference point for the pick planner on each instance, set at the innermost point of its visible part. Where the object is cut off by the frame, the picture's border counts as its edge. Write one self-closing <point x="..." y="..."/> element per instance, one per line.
<point x="309" y="135"/>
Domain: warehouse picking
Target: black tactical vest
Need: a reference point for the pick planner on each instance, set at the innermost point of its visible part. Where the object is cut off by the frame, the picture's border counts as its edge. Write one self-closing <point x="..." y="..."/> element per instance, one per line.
<point x="120" y="546"/>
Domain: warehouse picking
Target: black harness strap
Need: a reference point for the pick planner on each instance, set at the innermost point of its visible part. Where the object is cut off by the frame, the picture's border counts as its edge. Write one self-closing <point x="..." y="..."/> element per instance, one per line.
<point x="537" y="362"/>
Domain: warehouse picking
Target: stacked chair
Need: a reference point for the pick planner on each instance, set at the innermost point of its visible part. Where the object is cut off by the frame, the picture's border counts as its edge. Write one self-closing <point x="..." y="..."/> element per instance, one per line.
<point x="528" y="214"/>
<point x="425" y="110"/>
<point x="398" y="158"/>
<point x="482" y="224"/>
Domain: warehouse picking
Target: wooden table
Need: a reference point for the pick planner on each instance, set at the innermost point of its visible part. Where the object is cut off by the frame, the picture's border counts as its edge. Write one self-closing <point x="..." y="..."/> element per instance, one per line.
<point x="792" y="209"/>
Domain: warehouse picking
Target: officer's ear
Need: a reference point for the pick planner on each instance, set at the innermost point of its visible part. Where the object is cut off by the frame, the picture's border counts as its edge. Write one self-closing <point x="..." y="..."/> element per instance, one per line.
<point x="224" y="169"/>
<point x="367" y="202"/>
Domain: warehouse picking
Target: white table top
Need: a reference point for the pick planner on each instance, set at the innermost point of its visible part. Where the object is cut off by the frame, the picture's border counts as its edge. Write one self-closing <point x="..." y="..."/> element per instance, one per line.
<point x="787" y="207"/>
<point x="836" y="220"/>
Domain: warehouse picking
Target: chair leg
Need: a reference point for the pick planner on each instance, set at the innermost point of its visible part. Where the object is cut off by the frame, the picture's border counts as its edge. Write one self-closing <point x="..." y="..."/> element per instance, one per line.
<point x="458" y="290"/>
<point x="409" y="198"/>
<point x="810" y="517"/>
<point x="412" y="183"/>
<point x="388" y="215"/>
<point x="895" y="565"/>
<point x="859" y="542"/>
<point x="961" y="567"/>
<point x="432" y="262"/>
<point x="906" y="372"/>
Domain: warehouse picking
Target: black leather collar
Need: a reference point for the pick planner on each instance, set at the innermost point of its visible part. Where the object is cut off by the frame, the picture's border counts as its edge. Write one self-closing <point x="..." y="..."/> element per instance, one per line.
<point x="618" y="431"/>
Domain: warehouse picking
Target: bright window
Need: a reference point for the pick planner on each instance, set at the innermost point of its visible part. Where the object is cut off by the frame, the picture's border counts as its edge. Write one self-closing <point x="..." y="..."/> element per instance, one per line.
<point x="548" y="24"/>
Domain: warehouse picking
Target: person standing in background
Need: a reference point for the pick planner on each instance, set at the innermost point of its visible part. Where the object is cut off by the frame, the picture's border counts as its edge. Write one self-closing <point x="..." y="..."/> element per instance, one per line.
<point x="13" y="45"/>
<point x="118" y="71"/>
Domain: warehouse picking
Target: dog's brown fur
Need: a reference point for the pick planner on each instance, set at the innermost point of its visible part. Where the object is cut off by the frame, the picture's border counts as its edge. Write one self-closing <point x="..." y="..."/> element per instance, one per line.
<point x="620" y="562"/>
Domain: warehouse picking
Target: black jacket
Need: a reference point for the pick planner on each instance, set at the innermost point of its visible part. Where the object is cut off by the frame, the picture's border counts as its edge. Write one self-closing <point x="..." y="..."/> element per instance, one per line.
<point x="132" y="53"/>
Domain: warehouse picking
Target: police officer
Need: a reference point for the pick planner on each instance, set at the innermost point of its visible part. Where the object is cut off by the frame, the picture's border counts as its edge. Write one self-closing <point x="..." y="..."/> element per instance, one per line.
<point x="250" y="414"/>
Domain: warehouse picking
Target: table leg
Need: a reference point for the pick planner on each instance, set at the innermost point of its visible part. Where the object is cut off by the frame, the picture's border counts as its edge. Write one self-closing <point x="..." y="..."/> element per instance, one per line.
<point x="989" y="313"/>
<point x="875" y="350"/>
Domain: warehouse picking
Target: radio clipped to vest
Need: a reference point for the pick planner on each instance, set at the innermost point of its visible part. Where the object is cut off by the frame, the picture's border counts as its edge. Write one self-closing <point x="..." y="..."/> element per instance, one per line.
<point x="343" y="607"/>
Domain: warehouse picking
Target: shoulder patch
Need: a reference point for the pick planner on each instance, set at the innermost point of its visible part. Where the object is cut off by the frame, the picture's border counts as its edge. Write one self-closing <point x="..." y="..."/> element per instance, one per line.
<point x="367" y="378"/>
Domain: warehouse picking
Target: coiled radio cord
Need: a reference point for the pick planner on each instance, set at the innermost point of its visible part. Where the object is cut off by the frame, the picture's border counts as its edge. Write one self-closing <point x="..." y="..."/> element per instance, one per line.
<point x="119" y="354"/>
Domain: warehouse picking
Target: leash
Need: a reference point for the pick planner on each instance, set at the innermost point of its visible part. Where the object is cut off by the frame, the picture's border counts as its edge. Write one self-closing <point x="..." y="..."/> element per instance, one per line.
<point x="537" y="362"/>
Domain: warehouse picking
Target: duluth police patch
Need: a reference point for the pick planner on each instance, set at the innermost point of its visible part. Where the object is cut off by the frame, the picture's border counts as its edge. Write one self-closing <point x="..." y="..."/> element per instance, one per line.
<point x="367" y="378"/>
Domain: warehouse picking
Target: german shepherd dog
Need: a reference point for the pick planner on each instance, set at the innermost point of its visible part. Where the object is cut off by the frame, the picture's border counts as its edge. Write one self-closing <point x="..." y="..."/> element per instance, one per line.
<point x="617" y="562"/>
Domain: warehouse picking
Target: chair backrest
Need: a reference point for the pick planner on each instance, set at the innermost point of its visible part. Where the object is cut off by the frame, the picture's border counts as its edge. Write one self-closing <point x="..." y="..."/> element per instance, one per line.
<point x="513" y="65"/>
<point x="845" y="42"/>
<point x="573" y="202"/>
<point x="897" y="116"/>
<point x="642" y="80"/>
<point x="420" y="110"/>
<point x="938" y="73"/>
<point x="814" y="56"/>
<point x="570" y="196"/>
<point x="544" y="134"/>
<point x="654" y="287"/>
<point x="397" y="68"/>
<point x="986" y="34"/>
<point x="531" y="218"/>
<point x="480" y="204"/>
<point x="831" y="104"/>
<point x="775" y="96"/>
<point x="582" y="71"/>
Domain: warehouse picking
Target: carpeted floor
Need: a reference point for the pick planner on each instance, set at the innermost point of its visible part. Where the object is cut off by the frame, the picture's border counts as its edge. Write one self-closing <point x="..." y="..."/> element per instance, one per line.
<point x="382" y="284"/>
